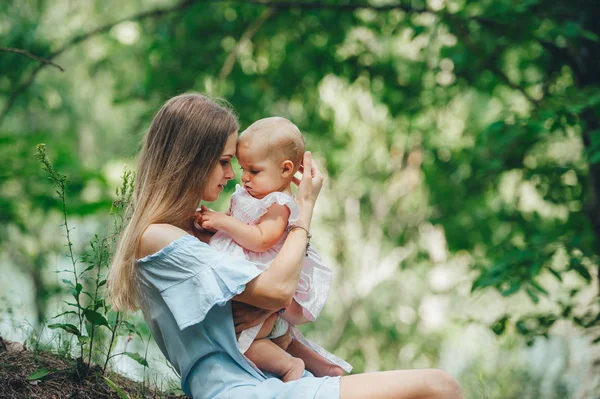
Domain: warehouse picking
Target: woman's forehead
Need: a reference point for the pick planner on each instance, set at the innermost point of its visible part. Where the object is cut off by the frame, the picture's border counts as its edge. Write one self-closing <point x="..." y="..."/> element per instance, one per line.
<point x="230" y="145"/>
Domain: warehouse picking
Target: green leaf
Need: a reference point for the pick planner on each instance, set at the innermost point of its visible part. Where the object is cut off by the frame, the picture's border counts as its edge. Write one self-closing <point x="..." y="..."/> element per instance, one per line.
<point x="70" y="328"/>
<point x="83" y="339"/>
<point x="532" y="295"/>
<point x="534" y="270"/>
<point x="418" y="29"/>
<point x="68" y="282"/>
<point x="496" y="127"/>
<point x="571" y="29"/>
<point x="112" y="317"/>
<point x="514" y="287"/>
<point x="487" y="279"/>
<point x="137" y="357"/>
<point x="38" y="374"/>
<point x="119" y="391"/>
<point x="500" y="325"/>
<point x="521" y="327"/>
<point x="64" y="313"/>
<point x="95" y="318"/>
<point x="76" y="290"/>
<point x="590" y="36"/>
<point x="556" y="274"/>
<point x="90" y="267"/>
<point x="581" y="269"/>
<point x="132" y="328"/>
<point x="538" y="287"/>
<point x="99" y="303"/>
<point x="594" y="157"/>
<point x="71" y="304"/>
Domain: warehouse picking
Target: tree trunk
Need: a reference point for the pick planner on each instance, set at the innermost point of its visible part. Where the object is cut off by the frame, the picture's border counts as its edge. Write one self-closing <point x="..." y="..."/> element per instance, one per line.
<point x="585" y="64"/>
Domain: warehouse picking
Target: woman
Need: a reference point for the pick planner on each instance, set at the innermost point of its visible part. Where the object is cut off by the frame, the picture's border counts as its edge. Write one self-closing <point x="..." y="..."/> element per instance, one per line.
<point x="185" y="288"/>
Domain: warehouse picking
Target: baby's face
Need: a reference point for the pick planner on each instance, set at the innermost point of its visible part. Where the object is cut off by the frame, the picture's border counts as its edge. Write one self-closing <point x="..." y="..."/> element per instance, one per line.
<point x="261" y="174"/>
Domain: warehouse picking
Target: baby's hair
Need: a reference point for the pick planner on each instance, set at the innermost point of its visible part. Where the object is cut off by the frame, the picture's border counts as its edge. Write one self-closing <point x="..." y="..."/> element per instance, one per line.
<point x="281" y="138"/>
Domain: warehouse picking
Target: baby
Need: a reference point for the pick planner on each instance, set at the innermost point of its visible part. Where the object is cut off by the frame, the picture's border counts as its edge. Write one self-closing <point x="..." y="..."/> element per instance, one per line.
<point x="255" y="227"/>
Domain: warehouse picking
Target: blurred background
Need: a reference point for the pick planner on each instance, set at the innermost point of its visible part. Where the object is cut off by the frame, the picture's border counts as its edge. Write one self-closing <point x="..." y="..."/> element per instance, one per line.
<point x="460" y="140"/>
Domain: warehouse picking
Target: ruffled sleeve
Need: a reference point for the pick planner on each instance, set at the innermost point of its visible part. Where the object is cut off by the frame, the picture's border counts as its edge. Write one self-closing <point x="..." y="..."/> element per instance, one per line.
<point x="192" y="277"/>
<point x="281" y="199"/>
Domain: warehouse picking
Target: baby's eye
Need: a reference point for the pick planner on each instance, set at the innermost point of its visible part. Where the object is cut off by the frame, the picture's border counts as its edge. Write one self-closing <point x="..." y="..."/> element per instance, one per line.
<point x="254" y="172"/>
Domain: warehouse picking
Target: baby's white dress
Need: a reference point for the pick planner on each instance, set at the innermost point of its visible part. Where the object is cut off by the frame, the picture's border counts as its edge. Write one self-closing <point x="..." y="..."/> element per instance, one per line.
<point x="315" y="277"/>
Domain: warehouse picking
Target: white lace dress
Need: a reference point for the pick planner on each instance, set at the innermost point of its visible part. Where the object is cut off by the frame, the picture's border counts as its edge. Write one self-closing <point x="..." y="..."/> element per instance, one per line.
<point x="315" y="277"/>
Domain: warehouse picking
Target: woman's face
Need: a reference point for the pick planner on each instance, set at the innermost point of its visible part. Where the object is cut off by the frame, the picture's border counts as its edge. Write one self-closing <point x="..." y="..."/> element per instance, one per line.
<point x="222" y="172"/>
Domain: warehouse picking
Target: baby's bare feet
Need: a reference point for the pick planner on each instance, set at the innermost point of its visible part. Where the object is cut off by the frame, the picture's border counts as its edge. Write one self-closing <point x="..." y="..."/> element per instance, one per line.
<point x="295" y="371"/>
<point x="327" y="370"/>
<point x="335" y="371"/>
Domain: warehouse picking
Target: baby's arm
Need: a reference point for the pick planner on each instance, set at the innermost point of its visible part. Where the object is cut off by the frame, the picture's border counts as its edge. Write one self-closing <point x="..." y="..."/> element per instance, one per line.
<point x="257" y="238"/>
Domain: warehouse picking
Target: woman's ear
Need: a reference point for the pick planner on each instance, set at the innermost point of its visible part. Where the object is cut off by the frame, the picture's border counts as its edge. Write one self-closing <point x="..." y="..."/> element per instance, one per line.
<point x="287" y="169"/>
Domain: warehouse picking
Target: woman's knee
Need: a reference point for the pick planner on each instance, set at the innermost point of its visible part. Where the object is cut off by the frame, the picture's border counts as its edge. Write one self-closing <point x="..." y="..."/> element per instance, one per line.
<point x="444" y="385"/>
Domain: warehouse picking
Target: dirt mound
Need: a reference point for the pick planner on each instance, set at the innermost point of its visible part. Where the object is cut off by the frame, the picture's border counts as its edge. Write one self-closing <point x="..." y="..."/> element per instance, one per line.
<point x="28" y="374"/>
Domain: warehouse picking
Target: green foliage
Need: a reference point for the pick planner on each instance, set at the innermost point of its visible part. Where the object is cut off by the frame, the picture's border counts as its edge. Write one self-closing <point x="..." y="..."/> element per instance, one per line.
<point x="38" y="374"/>
<point x="119" y="391"/>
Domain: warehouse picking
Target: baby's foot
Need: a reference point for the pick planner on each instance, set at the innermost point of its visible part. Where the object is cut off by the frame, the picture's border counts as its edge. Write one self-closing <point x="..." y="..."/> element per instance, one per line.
<point x="327" y="370"/>
<point x="295" y="371"/>
<point x="335" y="371"/>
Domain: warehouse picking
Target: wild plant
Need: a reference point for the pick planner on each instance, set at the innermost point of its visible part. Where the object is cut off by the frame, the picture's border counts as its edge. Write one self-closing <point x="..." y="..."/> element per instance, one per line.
<point x="96" y="325"/>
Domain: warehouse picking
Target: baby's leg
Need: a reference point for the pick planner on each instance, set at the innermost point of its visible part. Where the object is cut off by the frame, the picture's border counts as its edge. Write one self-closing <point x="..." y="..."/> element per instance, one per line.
<point x="314" y="362"/>
<point x="267" y="327"/>
<point x="270" y="357"/>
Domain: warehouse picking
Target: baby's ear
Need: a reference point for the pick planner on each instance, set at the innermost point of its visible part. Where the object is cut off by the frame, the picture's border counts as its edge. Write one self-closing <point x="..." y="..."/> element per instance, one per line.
<point x="287" y="168"/>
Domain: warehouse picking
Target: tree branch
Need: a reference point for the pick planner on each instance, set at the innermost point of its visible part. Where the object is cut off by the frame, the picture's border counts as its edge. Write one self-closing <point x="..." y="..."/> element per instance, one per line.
<point x="464" y="36"/>
<point x="28" y="54"/>
<point x="494" y="69"/>
<point x="300" y="5"/>
<point x="246" y="37"/>
<point x="159" y="12"/>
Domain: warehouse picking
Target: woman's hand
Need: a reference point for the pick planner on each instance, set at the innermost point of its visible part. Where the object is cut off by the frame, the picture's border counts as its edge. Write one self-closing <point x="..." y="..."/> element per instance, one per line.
<point x="246" y="316"/>
<point x="308" y="188"/>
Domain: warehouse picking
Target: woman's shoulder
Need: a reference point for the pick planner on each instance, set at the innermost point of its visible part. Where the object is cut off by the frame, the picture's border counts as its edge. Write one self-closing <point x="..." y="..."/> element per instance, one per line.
<point x="157" y="237"/>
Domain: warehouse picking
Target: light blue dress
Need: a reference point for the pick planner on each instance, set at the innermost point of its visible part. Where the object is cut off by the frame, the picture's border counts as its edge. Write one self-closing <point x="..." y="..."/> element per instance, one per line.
<point x="185" y="295"/>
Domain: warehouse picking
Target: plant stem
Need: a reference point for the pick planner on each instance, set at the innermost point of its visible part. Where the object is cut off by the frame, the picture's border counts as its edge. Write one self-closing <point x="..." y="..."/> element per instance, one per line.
<point x="145" y="357"/>
<point x="112" y="340"/>
<point x="59" y="180"/>
<point x="89" y="367"/>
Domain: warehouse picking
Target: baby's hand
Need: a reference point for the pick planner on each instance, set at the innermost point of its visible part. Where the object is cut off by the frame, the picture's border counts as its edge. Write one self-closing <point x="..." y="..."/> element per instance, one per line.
<point x="211" y="220"/>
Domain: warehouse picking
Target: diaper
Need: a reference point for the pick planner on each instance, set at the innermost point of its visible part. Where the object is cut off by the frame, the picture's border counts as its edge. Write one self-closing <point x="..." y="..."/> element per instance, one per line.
<point x="280" y="327"/>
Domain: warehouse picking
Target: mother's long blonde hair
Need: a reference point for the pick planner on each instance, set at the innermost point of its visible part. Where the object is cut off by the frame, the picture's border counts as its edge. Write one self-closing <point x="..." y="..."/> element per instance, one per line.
<point x="180" y="149"/>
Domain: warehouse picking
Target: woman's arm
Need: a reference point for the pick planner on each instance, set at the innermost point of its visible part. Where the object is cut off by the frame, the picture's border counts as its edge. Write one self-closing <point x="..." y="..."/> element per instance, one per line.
<point x="274" y="288"/>
<point x="257" y="238"/>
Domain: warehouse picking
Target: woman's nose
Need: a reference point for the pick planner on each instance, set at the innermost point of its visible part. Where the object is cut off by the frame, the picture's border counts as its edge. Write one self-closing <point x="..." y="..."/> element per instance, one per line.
<point x="229" y="173"/>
